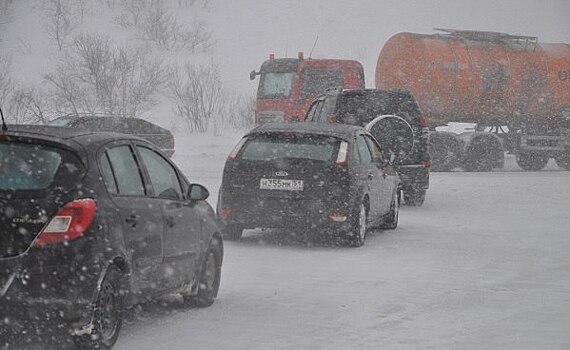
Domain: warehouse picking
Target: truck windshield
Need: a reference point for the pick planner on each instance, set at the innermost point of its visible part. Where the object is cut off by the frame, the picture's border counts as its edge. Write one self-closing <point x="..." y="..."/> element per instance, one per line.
<point x="275" y="85"/>
<point x="316" y="81"/>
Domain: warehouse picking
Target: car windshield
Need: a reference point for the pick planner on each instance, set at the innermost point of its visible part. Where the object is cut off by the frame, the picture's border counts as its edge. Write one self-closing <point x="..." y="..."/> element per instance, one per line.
<point x="275" y="85"/>
<point x="27" y="167"/>
<point x="62" y="121"/>
<point x="290" y="145"/>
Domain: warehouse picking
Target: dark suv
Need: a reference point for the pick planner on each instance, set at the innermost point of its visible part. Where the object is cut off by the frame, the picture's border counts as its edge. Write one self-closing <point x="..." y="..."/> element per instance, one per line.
<point x="160" y="136"/>
<point x="92" y="222"/>
<point x="362" y="107"/>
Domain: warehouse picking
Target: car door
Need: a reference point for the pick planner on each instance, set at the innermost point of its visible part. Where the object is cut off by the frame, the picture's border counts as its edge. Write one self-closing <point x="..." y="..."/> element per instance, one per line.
<point x="142" y="220"/>
<point x="388" y="179"/>
<point x="370" y="175"/>
<point x="182" y="233"/>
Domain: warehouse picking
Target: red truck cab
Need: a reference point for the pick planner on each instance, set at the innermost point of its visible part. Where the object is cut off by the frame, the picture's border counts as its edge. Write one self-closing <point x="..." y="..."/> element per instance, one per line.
<point x="287" y="86"/>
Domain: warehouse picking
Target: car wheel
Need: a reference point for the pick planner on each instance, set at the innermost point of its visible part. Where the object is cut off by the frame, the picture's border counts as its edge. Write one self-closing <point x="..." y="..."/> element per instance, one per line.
<point x="232" y="232"/>
<point x="414" y="197"/>
<point x="210" y="276"/>
<point x="360" y="227"/>
<point x="107" y="313"/>
<point x="393" y="216"/>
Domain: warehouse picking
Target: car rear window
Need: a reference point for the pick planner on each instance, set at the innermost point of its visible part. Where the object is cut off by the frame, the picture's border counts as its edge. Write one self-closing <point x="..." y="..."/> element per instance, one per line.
<point x="269" y="147"/>
<point x="25" y="166"/>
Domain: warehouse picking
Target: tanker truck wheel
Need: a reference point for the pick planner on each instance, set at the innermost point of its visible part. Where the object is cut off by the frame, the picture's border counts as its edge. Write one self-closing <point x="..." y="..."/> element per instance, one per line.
<point x="531" y="161"/>
<point x="445" y="151"/>
<point x="563" y="160"/>
<point x="482" y="154"/>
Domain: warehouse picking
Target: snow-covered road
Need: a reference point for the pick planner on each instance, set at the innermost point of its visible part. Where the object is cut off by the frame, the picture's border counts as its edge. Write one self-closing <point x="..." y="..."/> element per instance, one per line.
<point x="484" y="264"/>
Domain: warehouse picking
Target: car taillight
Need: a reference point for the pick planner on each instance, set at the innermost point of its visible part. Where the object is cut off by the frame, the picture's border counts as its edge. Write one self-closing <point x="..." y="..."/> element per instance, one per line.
<point x="425" y="164"/>
<point x="342" y="156"/>
<point x="69" y="223"/>
<point x="332" y="118"/>
<point x="225" y="213"/>
<point x="236" y="149"/>
<point x="423" y="122"/>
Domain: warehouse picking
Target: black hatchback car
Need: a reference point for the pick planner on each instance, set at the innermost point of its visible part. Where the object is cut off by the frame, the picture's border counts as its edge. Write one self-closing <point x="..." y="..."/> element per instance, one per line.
<point x="93" y="222"/>
<point x="363" y="106"/>
<point x="160" y="136"/>
<point x="333" y="178"/>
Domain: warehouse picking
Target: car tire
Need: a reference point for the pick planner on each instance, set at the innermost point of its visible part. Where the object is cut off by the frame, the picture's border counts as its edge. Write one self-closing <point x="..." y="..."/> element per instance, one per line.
<point x="232" y="232"/>
<point x="210" y="277"/>
<point x="414" y="197"/>
<point x="107" y="314"/>
<point x="391" y="221"/>
<point x="360" y="227"/>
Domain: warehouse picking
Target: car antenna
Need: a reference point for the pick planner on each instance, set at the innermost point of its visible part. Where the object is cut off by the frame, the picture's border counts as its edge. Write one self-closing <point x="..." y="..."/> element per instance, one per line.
<point x="315" y="44"/>
<point x="4" y="126"/>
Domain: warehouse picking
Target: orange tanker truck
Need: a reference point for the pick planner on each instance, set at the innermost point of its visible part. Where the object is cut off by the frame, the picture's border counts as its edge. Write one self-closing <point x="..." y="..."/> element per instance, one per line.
<point x="515" y="89"/>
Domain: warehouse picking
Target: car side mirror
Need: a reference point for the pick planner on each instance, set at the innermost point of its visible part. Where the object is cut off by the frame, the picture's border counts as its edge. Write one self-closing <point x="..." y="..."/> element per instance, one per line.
<point x="197" y="192"/>
<point x="252" y="75"/>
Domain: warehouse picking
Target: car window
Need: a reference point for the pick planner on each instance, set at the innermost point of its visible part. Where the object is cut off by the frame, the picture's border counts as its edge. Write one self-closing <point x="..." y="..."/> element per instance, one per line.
<point x="163" y="176"/>
<point x="377" y="154"/>
<point x="290" y="145"/>
<point x="27" y="167"/>
<point x="126" y="170"/>
<point x="363" y="151"/>
<point x="107" y="173"/>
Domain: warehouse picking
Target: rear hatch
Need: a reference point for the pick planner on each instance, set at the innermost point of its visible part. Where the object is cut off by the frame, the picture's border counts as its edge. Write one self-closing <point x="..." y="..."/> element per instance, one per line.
<point x="292" y="174"/>
<point x="35" y="176"/>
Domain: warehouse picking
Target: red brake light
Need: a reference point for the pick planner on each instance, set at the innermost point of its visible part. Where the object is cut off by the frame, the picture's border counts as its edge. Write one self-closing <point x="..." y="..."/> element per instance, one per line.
<point x="332" y="118"/>
<point x="69" y="223"/>
<point x="425" y="164"/>
<point x="423" y="122"/>
<point x="342" y="156"/>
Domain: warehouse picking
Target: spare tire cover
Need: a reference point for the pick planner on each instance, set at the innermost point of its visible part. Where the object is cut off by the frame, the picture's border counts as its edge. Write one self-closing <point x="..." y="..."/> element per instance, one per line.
<point x="394" y="134"/>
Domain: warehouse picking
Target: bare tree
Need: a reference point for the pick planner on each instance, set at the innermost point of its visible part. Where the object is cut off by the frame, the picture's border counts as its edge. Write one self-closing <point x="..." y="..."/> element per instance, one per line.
<point x="96" y="77"/>
<point x="60" y="21"/>
<point x="196" y="93"/>
<point x="203" y="103"/>
<point x="27" y="106"/>
<point x="6" y="82"/>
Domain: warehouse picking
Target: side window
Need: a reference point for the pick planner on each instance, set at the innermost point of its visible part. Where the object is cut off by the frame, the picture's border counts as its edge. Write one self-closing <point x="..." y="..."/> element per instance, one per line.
<point x="126" y="170"/>
<point x="107" y="173"/>
<point x="365" y="156"/>
<point x="162" y="175"/>
<point x="377" y="154"/>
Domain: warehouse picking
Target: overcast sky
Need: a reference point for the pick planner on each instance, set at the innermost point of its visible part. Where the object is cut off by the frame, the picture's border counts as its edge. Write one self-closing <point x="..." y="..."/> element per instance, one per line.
<point x="248" y="30"/>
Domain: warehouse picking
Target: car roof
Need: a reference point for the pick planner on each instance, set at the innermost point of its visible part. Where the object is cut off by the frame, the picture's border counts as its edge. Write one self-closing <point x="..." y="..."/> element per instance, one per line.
<point x="342" y="131"/>
<point x="67" y="135"/>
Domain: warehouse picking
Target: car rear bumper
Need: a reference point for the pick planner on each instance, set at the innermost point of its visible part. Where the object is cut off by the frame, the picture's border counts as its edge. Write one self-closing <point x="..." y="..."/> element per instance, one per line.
<point x="46" y="289"/>
<point x="279" y="213"/>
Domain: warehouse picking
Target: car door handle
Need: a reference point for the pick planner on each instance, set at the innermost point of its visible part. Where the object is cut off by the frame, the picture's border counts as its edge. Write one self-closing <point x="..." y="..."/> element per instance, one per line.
<point x="132" y="220"/>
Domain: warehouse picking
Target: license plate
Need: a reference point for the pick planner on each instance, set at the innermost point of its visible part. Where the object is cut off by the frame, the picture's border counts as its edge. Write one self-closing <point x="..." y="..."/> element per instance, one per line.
<point x="281" y="184"/>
